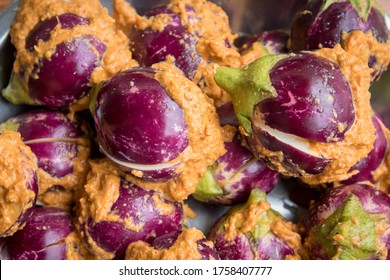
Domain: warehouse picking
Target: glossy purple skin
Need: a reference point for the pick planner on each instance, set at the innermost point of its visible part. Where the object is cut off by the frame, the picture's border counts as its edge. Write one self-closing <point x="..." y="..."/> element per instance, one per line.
<point x="41" y="238"/>
<point x="239" y="249"/>
<point x="243" y="248"/>
<point x="55" y="158"/>
<point x="275" y="41"/>
<point x="43" y="29"/>
<point x="315" y="29"/>
<point x="385" y="117"/>
<point x="255" y="174"/>
<point x="313" y="97"/>
<point x="293" y="158"/>
<point x="369" y="164"/>
<point x="226" y="114"/>
<point x="166" y="241"/>
<point x="41" y="125"/>
<point x="238" y="172"/>
<point x="206" y="251"/>
<point x="137" y="121"/>
<point x="135" y="203"/>
<point x="269" y="248"/>
<point x="64" y="78"/>
<point x="151" y="46"/>
<point x="373" y="201"/>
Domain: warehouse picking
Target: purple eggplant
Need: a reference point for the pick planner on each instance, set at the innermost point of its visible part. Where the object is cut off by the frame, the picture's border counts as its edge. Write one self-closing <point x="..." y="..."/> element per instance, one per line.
<point x="115" y="212"/>
<point x="61" y="75"/>
<point x="138" y="124"/>
<point x="349" y="222"/>
<point x="325" y="23"/>
<point x="264" y="43"/>
<point x="62" y="54"/>
<point x="368" y="166"/>
<point x="293" y="107"/>
<point x="190" y="244"/>
<point x="182" y="29"/>
<point x="150" y="46"/>
<point x="18" y="182"/>
<point x="49" y="234"/>
<point x="226" y="114"/>
<point x="62" y="147"/>
<point x="157" y="125"/>
<point x="60" y="80"/>
<point x="319" y="120"/>
<point x="231" y="178"/>
<point x="42" y="30"/>
<point x="64" y="77"/>
<point x="254" y="231"/>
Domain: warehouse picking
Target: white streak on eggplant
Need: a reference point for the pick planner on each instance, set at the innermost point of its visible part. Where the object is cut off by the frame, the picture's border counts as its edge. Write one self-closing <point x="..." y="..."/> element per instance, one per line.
<point x="50" y="140"/>
<point x="296" y="142"/>
<point x="141" y="167"/>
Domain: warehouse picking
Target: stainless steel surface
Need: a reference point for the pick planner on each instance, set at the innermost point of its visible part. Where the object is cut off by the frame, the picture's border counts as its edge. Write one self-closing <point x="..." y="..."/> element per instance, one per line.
<point x="246" y="17"/>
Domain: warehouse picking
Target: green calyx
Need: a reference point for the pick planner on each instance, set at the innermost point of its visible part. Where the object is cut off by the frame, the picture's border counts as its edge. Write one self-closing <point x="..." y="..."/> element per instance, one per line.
<point x="9" y="125"/>
<point x="93" y="96"/>
<point x="349" y="233"/>
<point x="363" y="7"/>
<point x="263" y="223"/>
<point x="207" y="186"/>
<point x="15" y="93"/>
<point x="264" y="50"/>
<point x="248" y="86"/>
